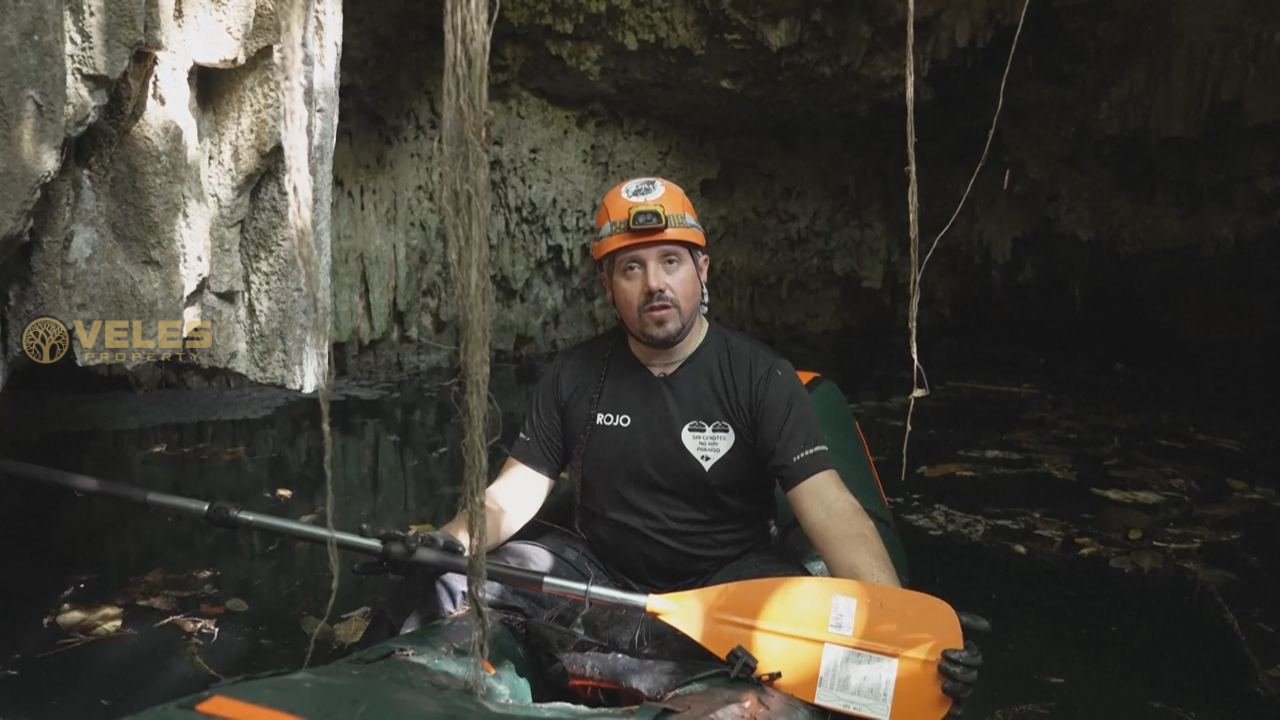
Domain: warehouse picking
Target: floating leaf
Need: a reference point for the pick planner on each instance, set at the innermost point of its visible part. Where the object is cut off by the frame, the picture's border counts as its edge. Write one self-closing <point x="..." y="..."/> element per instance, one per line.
<point x="236" y="605"/>
<point x="1134" y="534"/>
<point x="994" y="454"/>
<point x="349" y="631"/>
<point x="312" y="625"/>
<point x="1139" y="497"/>
<point x="1228" y="444"/>
<point x="422" y="528"/>
<point x="1122" y="562"/>
<point x="95" y="621"/>
<point x="1087" y="551"/>
<point x="943" y="469"/>
<point x="1216" y="577"/>
<point x="1148" y="560"/>
<point x="109" y="627"/>
<point x="1020" y="549"/>
<point x="1085" y="541"/>
<point x="283" y="493"/>
<point x="1237" y="485"/>
<point x="1193" y="545"/>
<point x="159" y="602"/>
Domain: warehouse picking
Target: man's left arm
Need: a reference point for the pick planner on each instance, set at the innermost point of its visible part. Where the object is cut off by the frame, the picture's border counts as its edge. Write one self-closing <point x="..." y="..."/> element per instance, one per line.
<point x="847" y="539"/>
<point x="840" y="530"/>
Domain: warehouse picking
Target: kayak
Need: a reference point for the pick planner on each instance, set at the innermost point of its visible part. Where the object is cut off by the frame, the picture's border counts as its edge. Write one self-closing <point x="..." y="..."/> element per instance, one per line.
<point x="424" y="674"/>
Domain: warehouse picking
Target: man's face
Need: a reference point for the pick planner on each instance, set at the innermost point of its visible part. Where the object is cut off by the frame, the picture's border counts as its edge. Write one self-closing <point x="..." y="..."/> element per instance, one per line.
<point x="656" y="290"/>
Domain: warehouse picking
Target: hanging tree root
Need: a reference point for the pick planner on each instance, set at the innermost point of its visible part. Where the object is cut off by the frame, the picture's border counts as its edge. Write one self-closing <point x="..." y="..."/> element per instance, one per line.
<point x="464" y="185"/>
<point x="317" y="363"/>
<point x="919" y="381"/>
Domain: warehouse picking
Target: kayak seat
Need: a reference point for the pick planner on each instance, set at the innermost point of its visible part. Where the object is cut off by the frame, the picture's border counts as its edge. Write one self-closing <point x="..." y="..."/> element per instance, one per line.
<point x="852" y="460"/>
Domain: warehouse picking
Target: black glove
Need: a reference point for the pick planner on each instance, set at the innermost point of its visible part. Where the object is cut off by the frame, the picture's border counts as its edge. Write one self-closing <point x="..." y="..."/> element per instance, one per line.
<point x="401" y="544"/>
<point x="959" y="668"/>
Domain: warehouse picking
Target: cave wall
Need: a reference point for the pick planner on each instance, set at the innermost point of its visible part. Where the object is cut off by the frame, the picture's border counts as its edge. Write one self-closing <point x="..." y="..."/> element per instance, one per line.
<point x="148" y="182"/>
<point x="1131" y="190"/>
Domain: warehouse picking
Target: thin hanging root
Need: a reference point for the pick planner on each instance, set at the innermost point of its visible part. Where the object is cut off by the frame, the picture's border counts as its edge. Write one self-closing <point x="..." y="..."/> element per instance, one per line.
<point x="316" y="353"/>
<point x="920" y="381"/>
<point x="464" y="185"/>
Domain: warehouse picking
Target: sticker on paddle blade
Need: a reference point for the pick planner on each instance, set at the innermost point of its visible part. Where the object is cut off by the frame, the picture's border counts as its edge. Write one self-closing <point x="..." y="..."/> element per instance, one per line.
<point x="843" y="610"/>
<point x="856" y="682"/>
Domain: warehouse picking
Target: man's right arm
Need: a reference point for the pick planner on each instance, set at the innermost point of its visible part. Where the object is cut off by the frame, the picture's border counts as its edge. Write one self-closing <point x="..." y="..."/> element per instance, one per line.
<point x="510" y="502"/>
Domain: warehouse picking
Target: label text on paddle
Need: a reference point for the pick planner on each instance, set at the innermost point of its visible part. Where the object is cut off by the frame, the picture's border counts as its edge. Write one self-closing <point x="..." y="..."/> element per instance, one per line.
<point x="857" y="682"/>
<point x="843" y="610"/>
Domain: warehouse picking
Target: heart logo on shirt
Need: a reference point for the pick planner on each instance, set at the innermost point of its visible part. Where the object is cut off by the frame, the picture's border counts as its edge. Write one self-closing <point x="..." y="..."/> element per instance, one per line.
<point x="707" y="443"/>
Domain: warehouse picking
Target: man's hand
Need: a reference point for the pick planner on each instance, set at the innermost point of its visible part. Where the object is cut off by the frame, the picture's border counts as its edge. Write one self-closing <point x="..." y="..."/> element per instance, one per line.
<point x="435" y="540"/>
<point x="959" y="667"/>
<point x="398" y="544"/>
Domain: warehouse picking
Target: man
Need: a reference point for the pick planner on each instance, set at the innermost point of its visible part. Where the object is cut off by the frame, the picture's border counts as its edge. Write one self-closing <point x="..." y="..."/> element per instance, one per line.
<point x="675" y="430"/>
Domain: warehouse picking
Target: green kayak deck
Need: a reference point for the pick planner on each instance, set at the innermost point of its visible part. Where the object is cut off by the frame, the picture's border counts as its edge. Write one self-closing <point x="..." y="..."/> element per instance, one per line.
<point x="424" y="674"/>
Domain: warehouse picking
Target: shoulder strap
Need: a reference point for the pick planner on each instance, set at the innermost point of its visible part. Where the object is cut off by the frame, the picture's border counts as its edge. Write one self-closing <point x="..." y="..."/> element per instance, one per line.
<point x="580" y="450"/>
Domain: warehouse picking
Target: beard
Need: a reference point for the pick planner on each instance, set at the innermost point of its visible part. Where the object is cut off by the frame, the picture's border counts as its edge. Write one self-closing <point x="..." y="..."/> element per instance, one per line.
<point x="661" y="332"/>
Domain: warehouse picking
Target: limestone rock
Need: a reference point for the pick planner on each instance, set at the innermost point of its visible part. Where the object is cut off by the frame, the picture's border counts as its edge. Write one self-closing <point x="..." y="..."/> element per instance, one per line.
<point x="170" y="207"/>
<point x="33" y="92"/>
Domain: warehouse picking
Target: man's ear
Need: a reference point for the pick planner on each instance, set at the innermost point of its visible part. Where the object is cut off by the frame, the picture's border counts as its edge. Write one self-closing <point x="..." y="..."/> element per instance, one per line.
<point x="704" y="265"/>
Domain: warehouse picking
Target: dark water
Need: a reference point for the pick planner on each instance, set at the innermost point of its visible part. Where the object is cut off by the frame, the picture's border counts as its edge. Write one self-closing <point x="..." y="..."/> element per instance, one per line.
<point x="1076" y="636"/>
<point x="391" y="467"/>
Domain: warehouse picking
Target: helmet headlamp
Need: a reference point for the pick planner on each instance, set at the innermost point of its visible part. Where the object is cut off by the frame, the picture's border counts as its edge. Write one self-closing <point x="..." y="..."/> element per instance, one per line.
<point x="646" y="217"/>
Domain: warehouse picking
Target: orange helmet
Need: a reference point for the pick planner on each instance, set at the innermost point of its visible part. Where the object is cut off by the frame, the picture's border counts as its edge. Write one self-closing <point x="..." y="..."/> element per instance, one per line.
<point x="645" y="210"/>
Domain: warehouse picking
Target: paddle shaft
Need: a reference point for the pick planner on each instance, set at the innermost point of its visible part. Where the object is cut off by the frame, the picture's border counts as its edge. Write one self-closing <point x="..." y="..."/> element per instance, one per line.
<point x="230" y="516"/>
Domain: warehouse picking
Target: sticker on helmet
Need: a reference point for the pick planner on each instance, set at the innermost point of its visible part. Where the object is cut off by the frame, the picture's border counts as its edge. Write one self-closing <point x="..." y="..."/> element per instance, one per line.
<point x="643" y="189"/>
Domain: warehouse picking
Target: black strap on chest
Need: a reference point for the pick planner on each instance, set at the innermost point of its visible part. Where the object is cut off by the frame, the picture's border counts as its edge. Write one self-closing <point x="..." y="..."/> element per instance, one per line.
<point x="580" y="450"/>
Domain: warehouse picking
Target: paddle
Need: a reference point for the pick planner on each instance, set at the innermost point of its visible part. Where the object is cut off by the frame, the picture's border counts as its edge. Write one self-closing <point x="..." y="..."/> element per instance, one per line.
<point x="853" y="647"/>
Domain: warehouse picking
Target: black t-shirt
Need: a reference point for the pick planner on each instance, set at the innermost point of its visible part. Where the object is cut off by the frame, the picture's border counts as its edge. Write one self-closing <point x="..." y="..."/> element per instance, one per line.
<point x="678" y="474"/>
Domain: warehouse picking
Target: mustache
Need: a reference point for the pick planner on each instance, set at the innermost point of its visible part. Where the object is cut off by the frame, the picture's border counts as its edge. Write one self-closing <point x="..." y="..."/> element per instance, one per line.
<point x="659" y="298"/>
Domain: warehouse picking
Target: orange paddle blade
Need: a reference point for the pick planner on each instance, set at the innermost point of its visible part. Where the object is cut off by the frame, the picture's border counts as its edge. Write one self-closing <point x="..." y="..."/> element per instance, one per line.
<point x="865" y="650"/>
